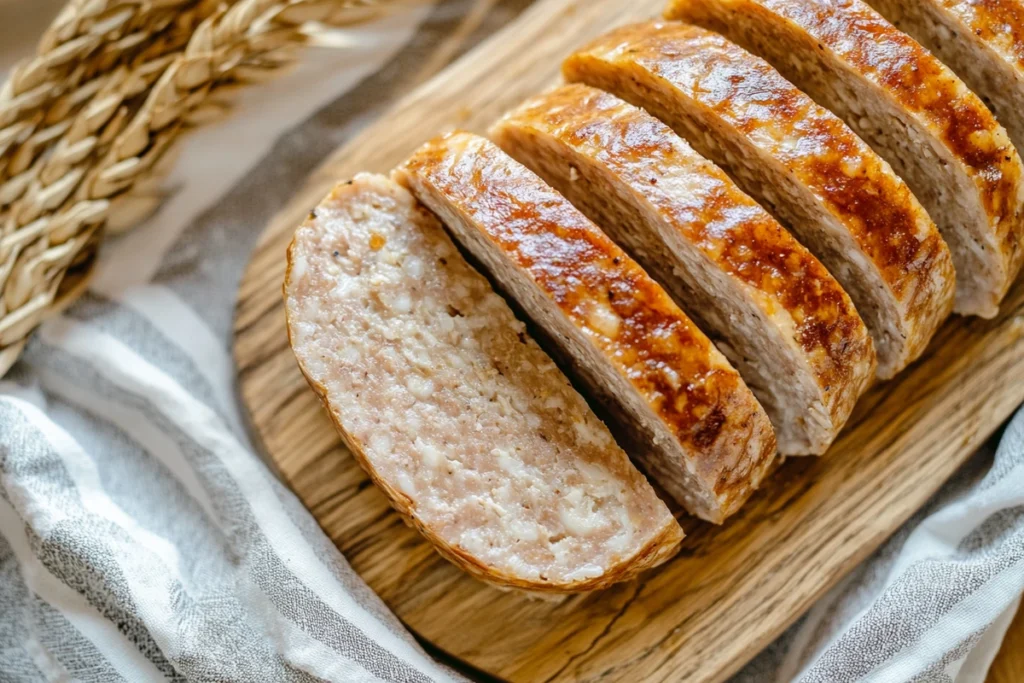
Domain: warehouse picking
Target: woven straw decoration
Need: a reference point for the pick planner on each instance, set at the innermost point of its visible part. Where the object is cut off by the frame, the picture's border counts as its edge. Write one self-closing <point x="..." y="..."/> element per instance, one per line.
<point x="87" y="124"/>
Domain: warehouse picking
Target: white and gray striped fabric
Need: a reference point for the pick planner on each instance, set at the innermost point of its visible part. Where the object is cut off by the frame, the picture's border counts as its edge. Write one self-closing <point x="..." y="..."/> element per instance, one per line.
<point x="142" y="539"/>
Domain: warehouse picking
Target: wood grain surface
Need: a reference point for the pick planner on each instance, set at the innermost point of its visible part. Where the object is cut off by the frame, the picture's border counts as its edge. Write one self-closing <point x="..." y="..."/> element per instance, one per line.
<point x="732" y="589"/>
<point x="1008" y="666"/>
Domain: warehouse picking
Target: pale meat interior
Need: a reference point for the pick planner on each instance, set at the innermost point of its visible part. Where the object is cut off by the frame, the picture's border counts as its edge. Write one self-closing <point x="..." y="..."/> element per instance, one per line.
<point x="462" y="417"/>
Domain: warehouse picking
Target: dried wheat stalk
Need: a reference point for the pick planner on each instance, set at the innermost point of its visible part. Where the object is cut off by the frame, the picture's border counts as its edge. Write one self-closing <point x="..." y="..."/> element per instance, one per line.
<point x="87" y="123"/>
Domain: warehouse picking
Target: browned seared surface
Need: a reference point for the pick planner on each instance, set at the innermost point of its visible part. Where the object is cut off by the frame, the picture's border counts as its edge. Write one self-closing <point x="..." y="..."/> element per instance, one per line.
<point x="798" y="159"/>
<point x="709" y="441"/>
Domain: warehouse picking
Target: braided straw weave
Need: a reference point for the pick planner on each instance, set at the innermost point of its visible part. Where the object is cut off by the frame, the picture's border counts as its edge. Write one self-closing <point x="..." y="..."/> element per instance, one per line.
<point x="88" y="124"/>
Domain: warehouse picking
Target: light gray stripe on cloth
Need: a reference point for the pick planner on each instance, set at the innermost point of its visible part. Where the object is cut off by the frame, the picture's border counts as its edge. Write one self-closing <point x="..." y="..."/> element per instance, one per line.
<point x="916" y="600"/>
<point x="907" y="610"/>
<point x="262" y="566"/>
<point x="76" y="655"/>
<point x="73" y="544"/>
<point x="86" y="552"/>
<point x="80" y="551"/>
<point x="138" y="333"/>
<point x="300" y="605"/>
<point x="178" y="504"/>
<point x="324" y="547"/>
<point x="937" y="672"/>
<point x="17" y="627"/>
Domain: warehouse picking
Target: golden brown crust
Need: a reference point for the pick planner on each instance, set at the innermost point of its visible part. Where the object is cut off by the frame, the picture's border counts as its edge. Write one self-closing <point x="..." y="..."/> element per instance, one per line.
<point x="858" y="36"/>
<point x="788" y="283"/>
<point x="744" y="92"/>
<point x="981" y="40"/>
<point x="687" y="383"/>
<point x="998" y="22"/>
<point x="661" y="547"/>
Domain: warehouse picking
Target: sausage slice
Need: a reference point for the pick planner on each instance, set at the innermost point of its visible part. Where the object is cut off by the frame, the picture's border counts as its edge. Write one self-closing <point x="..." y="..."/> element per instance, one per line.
<point x="982" y="41"/>
<point x="468" y="427"/>
<point x="778" y="315"/>
<point x="938" y="135"/>
<point x="703" y="435"/>
<point x="798" y="160"/>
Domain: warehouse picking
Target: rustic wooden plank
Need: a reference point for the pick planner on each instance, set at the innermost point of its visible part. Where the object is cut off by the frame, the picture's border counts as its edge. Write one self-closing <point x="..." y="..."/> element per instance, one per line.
<point x="733" y="588"/>
<point x="1008" y="666"/>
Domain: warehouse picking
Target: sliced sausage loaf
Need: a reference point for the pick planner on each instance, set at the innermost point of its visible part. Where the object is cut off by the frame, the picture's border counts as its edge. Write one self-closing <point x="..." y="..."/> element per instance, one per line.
<point x="981" y="40"/>
<point x="783" y="321"/>
<point x="706" y="440"/>
<point x="798" y="160"/>
<point x="468" y="427"/>
<point x="912" y="110"/>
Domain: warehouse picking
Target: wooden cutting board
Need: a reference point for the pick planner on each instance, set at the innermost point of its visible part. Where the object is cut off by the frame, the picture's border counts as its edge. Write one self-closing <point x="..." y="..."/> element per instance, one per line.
<point x="732" y="589"/>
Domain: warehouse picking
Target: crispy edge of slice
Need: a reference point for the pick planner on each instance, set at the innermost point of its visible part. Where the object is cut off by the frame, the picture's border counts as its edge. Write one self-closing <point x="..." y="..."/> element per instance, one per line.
<point x="533" y="227"/>
<point x="641" y="63"/>
<point x="993" y="68"/>
<point x="658" y="550"/>
<point x="860" y="40"/>
<point x="815" y="323"/>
